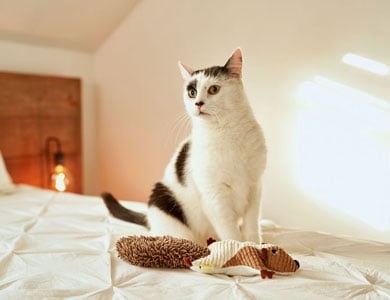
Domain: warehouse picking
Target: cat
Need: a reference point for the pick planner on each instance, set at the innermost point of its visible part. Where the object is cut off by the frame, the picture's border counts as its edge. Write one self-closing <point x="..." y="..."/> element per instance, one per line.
<point x="212" y="185"/>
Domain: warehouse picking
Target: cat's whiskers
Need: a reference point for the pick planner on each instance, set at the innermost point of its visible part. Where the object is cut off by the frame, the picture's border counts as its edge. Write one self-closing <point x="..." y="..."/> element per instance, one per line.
<point x="214" y="112"/>
<point x="172" y="126"/>
<point x="187" y="124"/>
<point x="181" y="127"/>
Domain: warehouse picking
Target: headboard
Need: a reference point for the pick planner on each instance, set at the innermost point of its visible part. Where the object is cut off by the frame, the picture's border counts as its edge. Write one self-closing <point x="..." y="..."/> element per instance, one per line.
<point x="33" y="108"/>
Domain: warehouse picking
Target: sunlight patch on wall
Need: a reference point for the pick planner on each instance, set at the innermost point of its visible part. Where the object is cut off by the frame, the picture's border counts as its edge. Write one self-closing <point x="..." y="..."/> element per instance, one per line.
<point x="326" y="93"/>
<point x="344" y="149"/>
<point x="366" y="64"/>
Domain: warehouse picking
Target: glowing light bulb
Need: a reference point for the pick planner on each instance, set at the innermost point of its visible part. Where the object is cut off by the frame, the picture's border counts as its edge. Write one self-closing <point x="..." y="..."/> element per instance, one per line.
<point x="60" y="178"/>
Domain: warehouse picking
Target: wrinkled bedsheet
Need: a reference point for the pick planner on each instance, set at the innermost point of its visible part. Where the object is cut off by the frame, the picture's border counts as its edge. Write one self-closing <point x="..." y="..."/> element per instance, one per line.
<point x="62" y="245"/>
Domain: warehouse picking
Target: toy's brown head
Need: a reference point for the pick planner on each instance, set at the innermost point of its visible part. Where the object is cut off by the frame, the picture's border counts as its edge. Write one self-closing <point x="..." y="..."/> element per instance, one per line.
<point x="276" y="259"/>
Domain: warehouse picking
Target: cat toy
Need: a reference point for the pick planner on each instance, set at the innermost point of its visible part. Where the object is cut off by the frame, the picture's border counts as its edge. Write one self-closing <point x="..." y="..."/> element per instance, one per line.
<point x="224" y="257"/>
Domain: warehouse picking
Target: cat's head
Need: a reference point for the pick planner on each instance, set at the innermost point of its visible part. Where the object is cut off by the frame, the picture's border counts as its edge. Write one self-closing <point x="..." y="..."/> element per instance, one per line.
<point x="213" y="93"/>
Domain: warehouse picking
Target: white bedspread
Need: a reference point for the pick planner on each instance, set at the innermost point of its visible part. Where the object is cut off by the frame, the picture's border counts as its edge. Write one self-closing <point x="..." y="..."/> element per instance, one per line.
<point x="60" y="245"/>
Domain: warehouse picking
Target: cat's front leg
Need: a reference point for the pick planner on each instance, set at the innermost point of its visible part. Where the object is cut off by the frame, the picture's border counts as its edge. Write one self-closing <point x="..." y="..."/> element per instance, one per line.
<point x="250" y="226"/>
<point x="226" y="226"/>
<point x="219" y="209"/>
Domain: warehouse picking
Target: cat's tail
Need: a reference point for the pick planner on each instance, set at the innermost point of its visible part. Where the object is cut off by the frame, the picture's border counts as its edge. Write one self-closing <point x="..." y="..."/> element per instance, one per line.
<point x="121" y="212"/>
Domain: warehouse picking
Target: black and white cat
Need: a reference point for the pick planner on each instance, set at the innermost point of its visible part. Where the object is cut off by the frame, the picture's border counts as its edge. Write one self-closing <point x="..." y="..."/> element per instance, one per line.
<point x="212" y="185"/>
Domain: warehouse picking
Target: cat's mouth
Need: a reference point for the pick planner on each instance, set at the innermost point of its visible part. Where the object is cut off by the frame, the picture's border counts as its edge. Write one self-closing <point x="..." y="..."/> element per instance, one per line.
<point x="201" y="112"/>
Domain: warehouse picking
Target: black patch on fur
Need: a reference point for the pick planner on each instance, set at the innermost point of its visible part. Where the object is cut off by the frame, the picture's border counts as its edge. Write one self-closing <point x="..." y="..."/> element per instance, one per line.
<point x="213" y="71"/>
<point x="192" y="85"/>
<point x="163" y="198"/>
<point x="121" y="212"/>
<point x="181" y="163"/>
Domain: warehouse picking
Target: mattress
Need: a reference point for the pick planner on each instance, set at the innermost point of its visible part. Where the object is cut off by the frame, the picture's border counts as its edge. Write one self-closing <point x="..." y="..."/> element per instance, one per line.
<point x="62" y="246"/>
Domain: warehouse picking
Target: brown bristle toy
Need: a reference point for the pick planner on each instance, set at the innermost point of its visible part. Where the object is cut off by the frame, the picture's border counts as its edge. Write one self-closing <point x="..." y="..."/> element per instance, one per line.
<point x="159" y="252"/>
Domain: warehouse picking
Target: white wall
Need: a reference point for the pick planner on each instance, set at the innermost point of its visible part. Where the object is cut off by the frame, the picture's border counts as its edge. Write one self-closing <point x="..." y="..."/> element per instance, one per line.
<point x="284" y="43"/>
<point x="25" y="58"/>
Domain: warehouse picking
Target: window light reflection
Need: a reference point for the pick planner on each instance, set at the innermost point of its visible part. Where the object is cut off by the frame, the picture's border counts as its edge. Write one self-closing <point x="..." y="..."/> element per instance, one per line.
<point x="366" y="64"/>
<point x="348" y="101"/>
<point x="343" y="148"/>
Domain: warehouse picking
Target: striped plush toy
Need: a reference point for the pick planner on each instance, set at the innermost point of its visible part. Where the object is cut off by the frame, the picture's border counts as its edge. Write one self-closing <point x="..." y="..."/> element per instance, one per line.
<point x="224" y="257"/>
<point x="245" y="258"/>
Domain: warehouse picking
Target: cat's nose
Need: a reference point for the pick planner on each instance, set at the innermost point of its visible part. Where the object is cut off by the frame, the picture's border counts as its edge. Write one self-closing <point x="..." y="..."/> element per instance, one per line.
<point x="199" y="104"/>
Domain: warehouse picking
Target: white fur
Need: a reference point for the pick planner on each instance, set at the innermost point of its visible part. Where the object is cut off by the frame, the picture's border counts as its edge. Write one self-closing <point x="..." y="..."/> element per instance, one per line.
<point x="223" y="169"/>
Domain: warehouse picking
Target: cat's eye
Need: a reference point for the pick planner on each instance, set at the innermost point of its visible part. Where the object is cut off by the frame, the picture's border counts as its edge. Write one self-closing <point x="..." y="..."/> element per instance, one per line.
<point x="214" y="89"/>
<point x="274" y="251"/>
<point x="192" y="93"/>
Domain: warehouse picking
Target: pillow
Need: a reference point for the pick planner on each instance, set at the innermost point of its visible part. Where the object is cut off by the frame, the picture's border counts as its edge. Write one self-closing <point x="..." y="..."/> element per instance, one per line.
<point x="6" y="185"/>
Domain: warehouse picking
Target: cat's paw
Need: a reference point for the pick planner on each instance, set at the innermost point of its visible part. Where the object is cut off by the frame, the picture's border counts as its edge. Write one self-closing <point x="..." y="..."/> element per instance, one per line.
<point x="266" y="273"/>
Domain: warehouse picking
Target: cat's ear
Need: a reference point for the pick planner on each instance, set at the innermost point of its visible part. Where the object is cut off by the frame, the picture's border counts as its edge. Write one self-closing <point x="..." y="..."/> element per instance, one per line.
<point x="234" y="64"/>
<point x="185" y="71"/>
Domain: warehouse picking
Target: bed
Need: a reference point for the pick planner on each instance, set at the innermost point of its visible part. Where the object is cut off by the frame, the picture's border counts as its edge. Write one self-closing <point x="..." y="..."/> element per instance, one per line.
<point x="62" y="245"/>
<point x="57" y="245"/>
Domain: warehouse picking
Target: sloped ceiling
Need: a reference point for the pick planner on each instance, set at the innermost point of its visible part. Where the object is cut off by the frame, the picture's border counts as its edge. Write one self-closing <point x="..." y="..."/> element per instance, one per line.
<point x="75" y="24"/>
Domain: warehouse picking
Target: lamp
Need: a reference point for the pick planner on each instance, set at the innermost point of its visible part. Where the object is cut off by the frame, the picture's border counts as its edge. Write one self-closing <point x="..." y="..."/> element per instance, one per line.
<point x="59" y="175"/>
